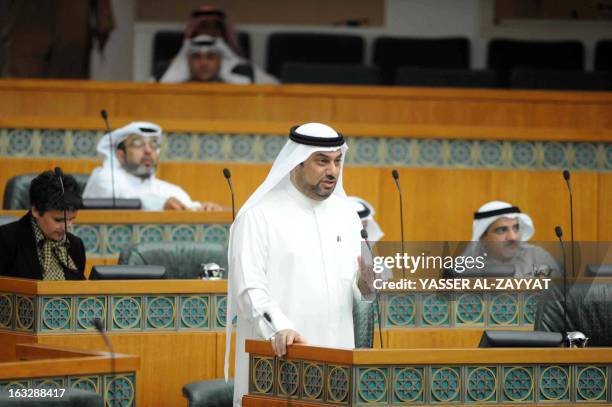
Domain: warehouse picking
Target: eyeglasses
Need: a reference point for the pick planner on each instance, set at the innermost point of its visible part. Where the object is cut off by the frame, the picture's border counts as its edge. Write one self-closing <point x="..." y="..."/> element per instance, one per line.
<point x="152" y="142"/>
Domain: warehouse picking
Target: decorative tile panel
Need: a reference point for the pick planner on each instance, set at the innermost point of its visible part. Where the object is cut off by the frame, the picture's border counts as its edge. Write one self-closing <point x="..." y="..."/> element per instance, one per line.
<point x="262" y="375"/>
<point x="160" y="312"/>
<point x="338" y="384"/>
<point x="56" y="314"/>
<point x="87" y="309"/>
<point x="372" y="385"/>
<point x="445" y="385"/>
<point x="409" y="151"/>
<point x="25" y="313"/>
<point x="195" y="312"/>
<point x="120" y="390"/>
<point x="6" y="311"/>
<point x="408" y="385"/>
<point x="481" y="384"/>
<point x="126" y="313"/>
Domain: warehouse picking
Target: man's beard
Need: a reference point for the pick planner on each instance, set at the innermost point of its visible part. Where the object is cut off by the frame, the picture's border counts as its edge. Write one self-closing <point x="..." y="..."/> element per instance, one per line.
<point x="141" y="170"/>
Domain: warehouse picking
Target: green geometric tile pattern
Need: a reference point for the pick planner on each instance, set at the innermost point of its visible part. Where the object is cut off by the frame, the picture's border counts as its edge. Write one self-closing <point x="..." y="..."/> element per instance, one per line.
<point x="466" y="384"/>
<point x="119" y="390"/>
<point x="108" y="240"/>
<point x="478" y="309"/>
<point x="127" y="313"/>
<point x="410" y="151"/>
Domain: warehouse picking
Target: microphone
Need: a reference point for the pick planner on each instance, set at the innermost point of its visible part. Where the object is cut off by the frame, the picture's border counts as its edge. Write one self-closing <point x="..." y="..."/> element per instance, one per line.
<point x="559" y="233"/>
<point x="566" y="177"/>
<point x="395" y="175"/>
<point x="228" y="176"/>
<point x="97" y="323"/>
<point x="364" y="236"/>
<point x="112" y="153"/>
<point x="60" y="176"/>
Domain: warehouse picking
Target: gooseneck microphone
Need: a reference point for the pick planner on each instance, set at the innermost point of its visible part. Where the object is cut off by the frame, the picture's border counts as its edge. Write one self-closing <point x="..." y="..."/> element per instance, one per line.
<point x="97" y="323"/>
<point x="364" y="236"/>
<point x="395" y="175"/>
<point x="559" y="233"/>
<point x="60" y="176"/>
<point x="228" y="176"/>
<point x="566" y="177"/>
<point x="112" y="153"/>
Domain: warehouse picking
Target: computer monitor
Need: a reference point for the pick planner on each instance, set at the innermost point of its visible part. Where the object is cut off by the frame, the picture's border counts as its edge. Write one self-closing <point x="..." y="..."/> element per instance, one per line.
<point x="109" y="203"/>
<point x="127" y="272"/>
<point x="599" y="270"/>
<point x="520" y="339"/>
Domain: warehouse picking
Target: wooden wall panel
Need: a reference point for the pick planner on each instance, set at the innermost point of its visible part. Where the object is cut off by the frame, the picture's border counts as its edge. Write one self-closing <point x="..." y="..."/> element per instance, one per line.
<point x="165" y="367"/>
<point x="438" y="203"/>
<point x="296" y="103"/>
<point x="543" y="195"/>
<point x="604" y="218"/>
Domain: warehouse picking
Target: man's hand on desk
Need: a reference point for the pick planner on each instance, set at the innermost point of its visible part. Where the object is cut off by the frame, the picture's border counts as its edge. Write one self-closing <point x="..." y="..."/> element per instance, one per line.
<point x="365" y="283"/>
<point x="173" y="204"/>
<point x="211" y="207"/>
<point x="282" y="339"/>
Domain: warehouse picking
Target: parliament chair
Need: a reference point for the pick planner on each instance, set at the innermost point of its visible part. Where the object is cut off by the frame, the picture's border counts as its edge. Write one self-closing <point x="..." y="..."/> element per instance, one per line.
<point x="218" y="393"/>
<point x="4" y="219"/>
<point x="438" y="77"/>
<point x="504" y="55"/>
<point x="560" y="80"/>
<point x="295" y="72"/>
<point x="319" y="48"/>
<point x="603" y="55"/>
<point x="166" y="44"/>
<point x="182" y="260"/>
<point x="17" y="190"/>
<point x="390" y="53"/>
<point x="589" y="310"/>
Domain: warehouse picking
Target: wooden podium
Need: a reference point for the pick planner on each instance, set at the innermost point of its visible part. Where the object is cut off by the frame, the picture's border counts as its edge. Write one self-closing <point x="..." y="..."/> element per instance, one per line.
<point x="50" y="367"/>
<point x="313" y="376"/>
<point x="176" y="327"/>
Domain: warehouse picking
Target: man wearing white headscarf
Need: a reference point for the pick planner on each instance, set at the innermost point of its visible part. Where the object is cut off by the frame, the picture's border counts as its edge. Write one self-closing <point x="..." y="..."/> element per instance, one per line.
<point x="501" y="231"/>
<point x="208" y="59"/>
<point x="366" y="213"/>
<point x="132" y="152"/>
<point x="290" y="289"/>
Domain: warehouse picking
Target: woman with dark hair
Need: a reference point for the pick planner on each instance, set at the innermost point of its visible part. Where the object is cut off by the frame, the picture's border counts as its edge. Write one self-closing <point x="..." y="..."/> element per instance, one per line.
<point x="38" y="246"/>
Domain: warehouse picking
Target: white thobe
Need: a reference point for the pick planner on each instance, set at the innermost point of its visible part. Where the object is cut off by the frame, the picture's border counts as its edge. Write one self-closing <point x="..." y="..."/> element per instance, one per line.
<point x="296" y="260"/>
<point x="152" y="192"/>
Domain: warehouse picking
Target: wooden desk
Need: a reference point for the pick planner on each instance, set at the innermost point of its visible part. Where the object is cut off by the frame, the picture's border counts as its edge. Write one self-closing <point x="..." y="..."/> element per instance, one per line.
<point x="313" y="376"/>
<point x="176" y="327"/>
<point x="36" y="366"/>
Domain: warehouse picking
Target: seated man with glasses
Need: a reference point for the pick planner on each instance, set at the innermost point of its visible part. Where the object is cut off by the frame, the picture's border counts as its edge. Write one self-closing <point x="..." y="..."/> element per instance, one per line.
<point x="135" y="149"/>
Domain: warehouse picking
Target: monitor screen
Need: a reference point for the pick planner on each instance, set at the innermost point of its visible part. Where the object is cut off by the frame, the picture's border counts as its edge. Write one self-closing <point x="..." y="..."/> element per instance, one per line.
<point x="599" y="270"/>
<point x="107" y="203"/>
<point x="520" y="339"/>
<point x="126" y="272"/>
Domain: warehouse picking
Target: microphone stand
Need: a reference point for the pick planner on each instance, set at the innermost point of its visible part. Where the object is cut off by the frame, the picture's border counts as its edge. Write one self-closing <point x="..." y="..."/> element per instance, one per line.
<point x="104" y="115"/>
<point x="364" y="236"/>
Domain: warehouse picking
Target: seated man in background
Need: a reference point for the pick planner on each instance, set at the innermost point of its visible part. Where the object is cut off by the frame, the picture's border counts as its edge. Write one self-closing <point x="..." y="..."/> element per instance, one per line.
<point x="366" y="213"/>
<point x="38" y="245"/>
<point x="208" y="59"/>
<point x="136" y="150"/>
<point x="209" y="24"/>
<point x="500" y="230"/>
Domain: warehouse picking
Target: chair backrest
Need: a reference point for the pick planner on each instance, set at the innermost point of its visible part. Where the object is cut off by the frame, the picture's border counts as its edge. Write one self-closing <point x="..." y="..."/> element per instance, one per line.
<point x="391" y="53"/>
<point x="505" y="55"/>
<point x="17" y="190"/>
<point x="313" y="48"/>
<point x="457" y="78"/>
<point x="603" y="55"/>
<point x="294" y="72"/>
<point x="589" y="310"/>
<point x="182" y="260"/>
<point x="4" y="219"/>
<point x="166" y="44"/>
<point x="561" y="80"/>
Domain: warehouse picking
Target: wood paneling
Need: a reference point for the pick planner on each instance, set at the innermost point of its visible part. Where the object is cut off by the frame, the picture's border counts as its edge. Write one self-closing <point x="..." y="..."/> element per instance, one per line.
<point x="296" y="103"/>
<point x="438" y="203"/>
